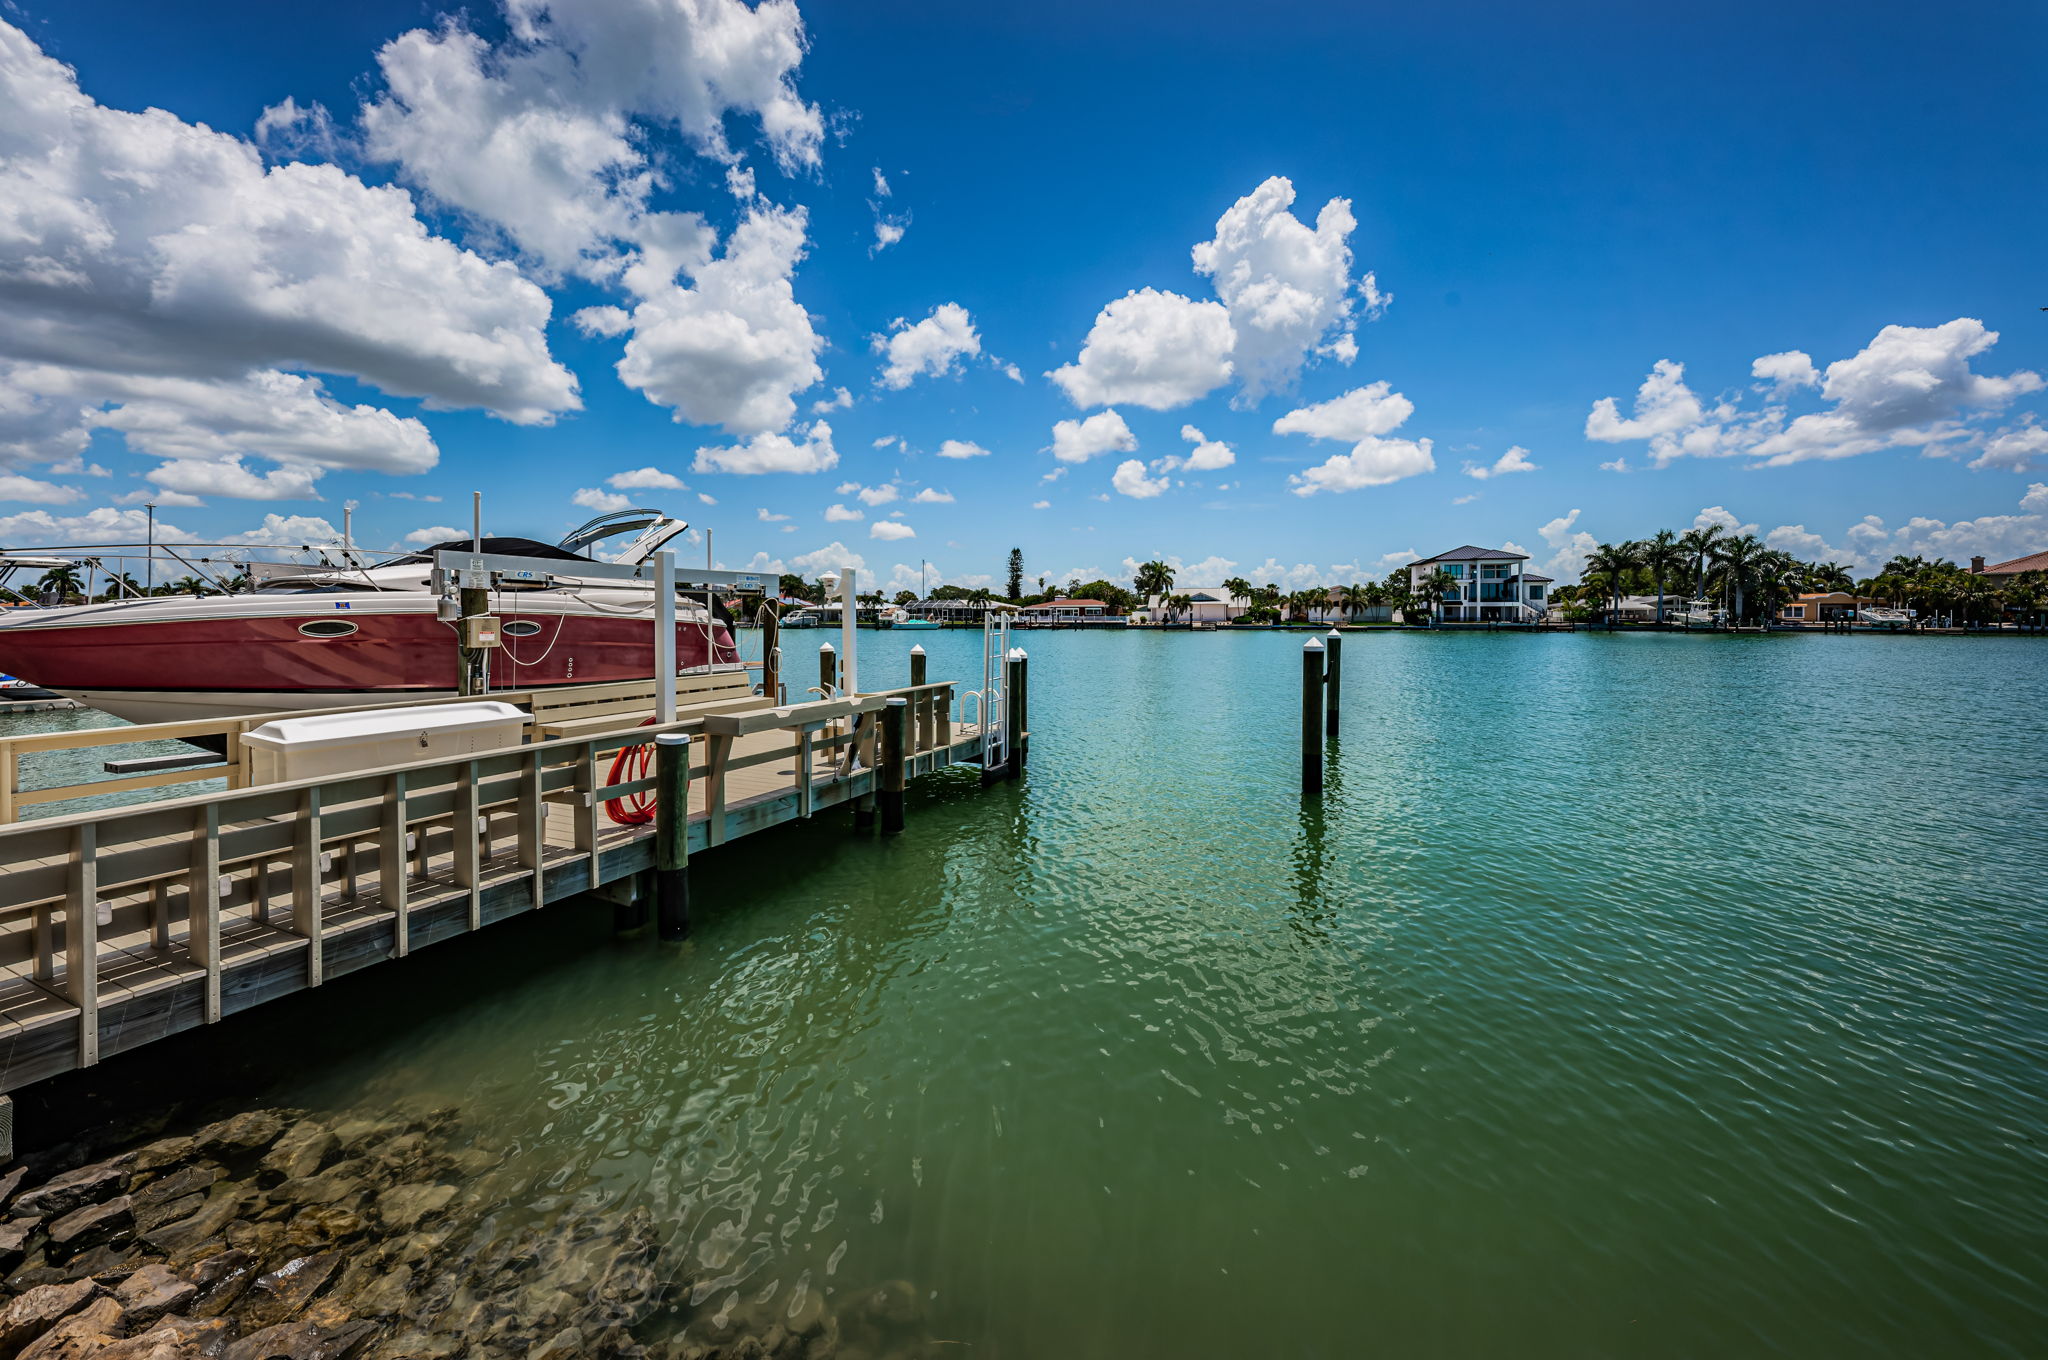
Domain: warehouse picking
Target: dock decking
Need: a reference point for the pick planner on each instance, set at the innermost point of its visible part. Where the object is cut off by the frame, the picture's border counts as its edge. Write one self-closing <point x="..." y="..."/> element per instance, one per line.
<point x="122" y="926"/>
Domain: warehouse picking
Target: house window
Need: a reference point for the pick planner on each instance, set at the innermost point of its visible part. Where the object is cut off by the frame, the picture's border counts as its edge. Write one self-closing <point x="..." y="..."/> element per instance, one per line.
<point x="1493" y="571"/>
<point x="1456" y="569"/>
<point x="1535" y="592"/>
<point x="1795" y="611"/>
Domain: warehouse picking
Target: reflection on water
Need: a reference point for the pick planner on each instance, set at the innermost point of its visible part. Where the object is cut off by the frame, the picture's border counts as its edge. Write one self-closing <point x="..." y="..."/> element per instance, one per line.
<point x="1623" y="996"/>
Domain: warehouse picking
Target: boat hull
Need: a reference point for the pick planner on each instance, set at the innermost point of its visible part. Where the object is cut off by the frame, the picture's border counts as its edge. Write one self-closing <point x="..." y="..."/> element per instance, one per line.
<point x="199" y="662"/>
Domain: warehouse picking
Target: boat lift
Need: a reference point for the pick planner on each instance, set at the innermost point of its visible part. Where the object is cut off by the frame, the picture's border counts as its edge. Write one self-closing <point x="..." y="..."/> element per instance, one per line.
<point x="457" y="570"/>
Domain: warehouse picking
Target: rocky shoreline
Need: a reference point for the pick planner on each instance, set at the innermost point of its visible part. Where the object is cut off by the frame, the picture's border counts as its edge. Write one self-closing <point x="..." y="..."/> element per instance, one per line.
<point x="278" y="1235"/>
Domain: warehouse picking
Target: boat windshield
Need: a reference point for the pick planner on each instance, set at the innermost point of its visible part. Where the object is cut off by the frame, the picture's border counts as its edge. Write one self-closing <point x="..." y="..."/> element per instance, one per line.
<point x="287" y="586"/>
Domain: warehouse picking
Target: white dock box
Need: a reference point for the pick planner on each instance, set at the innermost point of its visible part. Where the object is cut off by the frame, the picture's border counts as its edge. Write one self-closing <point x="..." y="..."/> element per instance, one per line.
<point x="341" y="743"/>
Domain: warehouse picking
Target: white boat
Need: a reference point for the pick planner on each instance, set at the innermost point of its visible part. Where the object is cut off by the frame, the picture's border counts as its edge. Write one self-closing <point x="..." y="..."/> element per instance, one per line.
<point x="334" y="635"/>
<point x="1883" y="616"/>
<point x="1697" y="614"/>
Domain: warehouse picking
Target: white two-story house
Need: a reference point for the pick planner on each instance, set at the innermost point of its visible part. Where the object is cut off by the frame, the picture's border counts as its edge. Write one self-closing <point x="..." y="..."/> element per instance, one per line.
<point x="1491" y="585"/>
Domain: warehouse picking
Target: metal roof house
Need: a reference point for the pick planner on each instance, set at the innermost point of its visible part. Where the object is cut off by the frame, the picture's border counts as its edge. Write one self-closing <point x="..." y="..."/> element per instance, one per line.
<point x="1205" y="604"/>
<point x="1492" y="585"/>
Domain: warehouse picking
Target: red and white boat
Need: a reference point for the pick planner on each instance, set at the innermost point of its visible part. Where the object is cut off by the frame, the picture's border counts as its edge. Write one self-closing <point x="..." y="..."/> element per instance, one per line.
<point x="331" y="636"/>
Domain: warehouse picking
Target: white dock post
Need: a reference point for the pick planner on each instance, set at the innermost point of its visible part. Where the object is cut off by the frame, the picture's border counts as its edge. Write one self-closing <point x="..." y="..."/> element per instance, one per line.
<point x="664" y="637"/>
<point x="847" y="622"/>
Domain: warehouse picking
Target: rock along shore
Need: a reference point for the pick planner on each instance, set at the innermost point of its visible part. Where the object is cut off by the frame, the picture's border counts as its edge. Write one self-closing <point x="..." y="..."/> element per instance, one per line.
<point x="277" y="1235"/>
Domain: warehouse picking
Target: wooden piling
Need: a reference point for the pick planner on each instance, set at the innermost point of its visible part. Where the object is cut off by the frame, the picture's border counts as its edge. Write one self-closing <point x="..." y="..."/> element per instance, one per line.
<point x="672" y="834"/>
<point x="828" y="671"/>
<point x="1312" y="716"/>
<point x="1020" y="666"/>
<point x="890" y="775"/>
<point x="918" y="662"/>
<point x="1333" y="680"/>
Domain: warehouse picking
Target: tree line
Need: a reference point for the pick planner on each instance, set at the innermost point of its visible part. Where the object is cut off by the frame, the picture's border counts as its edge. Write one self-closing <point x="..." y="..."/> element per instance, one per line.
<point x="1752" y="581"/>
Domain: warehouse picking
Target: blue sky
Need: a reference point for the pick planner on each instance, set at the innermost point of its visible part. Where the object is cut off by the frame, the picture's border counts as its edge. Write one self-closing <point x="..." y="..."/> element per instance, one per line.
<point x="424" y="283"/>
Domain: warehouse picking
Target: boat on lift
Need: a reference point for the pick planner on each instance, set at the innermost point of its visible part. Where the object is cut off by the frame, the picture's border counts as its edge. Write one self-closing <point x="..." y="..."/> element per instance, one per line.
<point x="1883" y="616"/>
<point x="1697" y="614"/>
<point x="341" y="632"/>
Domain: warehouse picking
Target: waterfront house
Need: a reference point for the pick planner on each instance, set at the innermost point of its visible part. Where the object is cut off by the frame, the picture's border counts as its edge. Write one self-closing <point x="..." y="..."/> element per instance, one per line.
<point x="1824" y="606"/>
<point x="2002" y="572"/>
<point x="1206" y="604"/>
<point x="1064" y="611"/>
<point x="1490" y="585"/>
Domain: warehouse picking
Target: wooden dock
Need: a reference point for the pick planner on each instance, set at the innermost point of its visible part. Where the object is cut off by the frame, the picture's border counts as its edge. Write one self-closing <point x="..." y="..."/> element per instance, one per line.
<point x="125" y="925"/>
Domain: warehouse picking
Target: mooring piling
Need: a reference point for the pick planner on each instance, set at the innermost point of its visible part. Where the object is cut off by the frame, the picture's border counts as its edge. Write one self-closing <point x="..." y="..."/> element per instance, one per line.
<point x="1333" y="680"/>
<point x="890" y="796"/>
<point x="671" y="834"/>
<point x="828" y="671"/>
<point x="918" y="661"/>
<point x="1312" y="716"/>
<point x="1020" y="669"/>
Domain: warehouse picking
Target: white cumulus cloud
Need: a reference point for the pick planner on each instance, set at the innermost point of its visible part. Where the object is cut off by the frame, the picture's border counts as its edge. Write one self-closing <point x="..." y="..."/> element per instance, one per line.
<point x="773" y="453"/>
<point x="1076" y="441"/>
<point x="1516" y="459"/>
<point x="1910" y="387"/>
<point x="932" y="347"/>
<point x="1362" y="415"/>
<point x="646" y="479"/>
<point x="962" y="448"/>
<point x="1209" y="454"/>
<point x="1150" y="348"/>
<point x="890" y="529"/>
<point x="1130" y="480"/>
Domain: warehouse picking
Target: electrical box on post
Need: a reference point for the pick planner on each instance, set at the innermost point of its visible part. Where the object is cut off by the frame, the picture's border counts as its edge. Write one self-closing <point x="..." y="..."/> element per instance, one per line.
<point x="480" y="630"/>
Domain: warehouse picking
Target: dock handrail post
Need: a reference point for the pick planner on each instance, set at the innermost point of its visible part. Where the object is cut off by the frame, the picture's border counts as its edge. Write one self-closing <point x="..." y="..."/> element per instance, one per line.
<point x="1333" y="680"/>
<point x="890" y="775"/>
<point x="665" y="637"/>
<point x="828" y="671"/>
<point x="1312" y="716"/>
<point x="771" y="653"/>
<point x="1019" y="715"/>
<point x="672" y="834"/>
<point x="918" y="662"/>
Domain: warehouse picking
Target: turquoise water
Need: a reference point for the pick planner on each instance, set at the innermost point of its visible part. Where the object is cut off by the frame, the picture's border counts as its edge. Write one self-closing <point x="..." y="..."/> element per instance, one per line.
<point x="1623" y="995"/>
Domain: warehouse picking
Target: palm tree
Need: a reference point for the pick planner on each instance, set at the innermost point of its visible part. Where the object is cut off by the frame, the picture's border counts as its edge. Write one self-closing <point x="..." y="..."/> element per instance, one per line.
<point x="1737" y="561"/>
<point x="64" y="580"/>
<point x="1238" y="587"/>
<point x="121" y="585"/>
<point x="1179" y="605"/>
<point x="187" y="585"/>
<point x="1432" y="589"/>
<point x="1829" y="576"/>
<point x="1663" y="556"/>
<point x="1153" y="578"/>
<point x="1608" y="568"/>
<point x="1699" y="544"/>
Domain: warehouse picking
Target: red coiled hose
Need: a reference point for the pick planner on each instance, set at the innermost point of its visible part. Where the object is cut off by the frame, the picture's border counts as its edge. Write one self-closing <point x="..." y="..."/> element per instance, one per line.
<point x="631" y="763"/>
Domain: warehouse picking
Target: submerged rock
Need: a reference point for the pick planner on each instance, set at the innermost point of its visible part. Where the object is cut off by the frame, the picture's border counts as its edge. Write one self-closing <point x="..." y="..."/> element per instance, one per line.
<point x="74" y="1189"/>
<point x="90" y="1226"/>
<point x="284" y="1293"/>
<point x="404" y="1206"/>
<point x="301" y="1151"/>
<point x="250" y="1131"/>
<point x="151" y="1292"/>
<point x="173" y="1339"/>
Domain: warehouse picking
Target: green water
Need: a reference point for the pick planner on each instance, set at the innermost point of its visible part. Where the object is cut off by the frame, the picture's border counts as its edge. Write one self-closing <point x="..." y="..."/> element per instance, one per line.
<point x="1623" y="996"/>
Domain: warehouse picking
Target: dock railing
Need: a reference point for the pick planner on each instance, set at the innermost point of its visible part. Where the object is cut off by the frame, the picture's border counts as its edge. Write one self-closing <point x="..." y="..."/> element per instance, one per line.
<point x="180" y="911"/>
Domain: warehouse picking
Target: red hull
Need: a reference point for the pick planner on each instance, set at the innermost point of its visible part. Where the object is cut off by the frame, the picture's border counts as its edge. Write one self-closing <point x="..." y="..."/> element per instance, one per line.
<point x="397" y="652"/>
